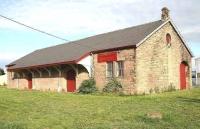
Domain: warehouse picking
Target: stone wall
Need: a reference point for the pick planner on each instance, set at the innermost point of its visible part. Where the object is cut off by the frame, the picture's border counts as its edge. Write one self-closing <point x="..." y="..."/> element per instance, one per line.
<point x="18" y="83"/>
<point x="158" y="64"/>
<point x="82" y="75"/>
<point x="128" y="80"/>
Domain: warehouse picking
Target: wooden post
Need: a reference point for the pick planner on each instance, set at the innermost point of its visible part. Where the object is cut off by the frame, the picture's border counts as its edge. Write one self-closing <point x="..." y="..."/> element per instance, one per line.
<point x="60" y="73"/>
<point x="49" y="71"/>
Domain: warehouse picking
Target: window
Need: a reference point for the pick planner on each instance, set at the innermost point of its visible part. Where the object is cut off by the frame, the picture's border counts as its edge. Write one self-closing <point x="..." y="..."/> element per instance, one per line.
<point x="109" y="69"/>
<point x="120" y="69"/>
<point x="168" y="39"/>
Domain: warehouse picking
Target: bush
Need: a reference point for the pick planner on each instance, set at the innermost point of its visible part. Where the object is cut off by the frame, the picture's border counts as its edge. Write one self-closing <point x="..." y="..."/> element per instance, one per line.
<point x="112" y="86"/>
<point x="88" y="86"/>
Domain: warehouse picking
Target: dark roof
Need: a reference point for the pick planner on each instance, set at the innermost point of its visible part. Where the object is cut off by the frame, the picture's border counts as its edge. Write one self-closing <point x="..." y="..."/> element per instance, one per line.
<point x="76" y="49"/>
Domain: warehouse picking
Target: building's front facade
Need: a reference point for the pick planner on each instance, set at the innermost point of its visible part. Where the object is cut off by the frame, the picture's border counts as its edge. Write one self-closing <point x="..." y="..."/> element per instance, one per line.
<point x="197" y="67"/>
<point x="142" y="58"/>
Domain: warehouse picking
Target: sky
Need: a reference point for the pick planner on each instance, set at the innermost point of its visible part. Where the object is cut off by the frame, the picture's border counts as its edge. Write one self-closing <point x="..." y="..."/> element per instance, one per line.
<point x="77" y="19"/>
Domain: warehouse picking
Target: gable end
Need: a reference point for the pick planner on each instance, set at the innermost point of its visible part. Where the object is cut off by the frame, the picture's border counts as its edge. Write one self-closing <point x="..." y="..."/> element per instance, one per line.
<point x="176" y="30"/>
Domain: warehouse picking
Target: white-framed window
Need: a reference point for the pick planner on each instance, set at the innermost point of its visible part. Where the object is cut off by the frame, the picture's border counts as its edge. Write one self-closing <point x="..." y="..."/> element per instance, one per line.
<point x="119" y="69"/>
<point x="109" y="69"/>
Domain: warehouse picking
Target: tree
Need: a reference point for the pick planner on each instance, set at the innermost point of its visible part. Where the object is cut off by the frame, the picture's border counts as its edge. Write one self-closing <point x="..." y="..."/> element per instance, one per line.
<point x="2" y="71"/>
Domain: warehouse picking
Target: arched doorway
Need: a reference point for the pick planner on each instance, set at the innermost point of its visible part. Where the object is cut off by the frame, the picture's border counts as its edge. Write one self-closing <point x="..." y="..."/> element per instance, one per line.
<point x="30" y="84"/>
<point x="183" y="75"/>
<point x="71" y="81"/>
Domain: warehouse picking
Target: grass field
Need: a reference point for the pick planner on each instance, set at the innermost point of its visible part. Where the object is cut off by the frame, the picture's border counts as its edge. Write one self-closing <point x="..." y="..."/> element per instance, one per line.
<point x="44" y="110"/>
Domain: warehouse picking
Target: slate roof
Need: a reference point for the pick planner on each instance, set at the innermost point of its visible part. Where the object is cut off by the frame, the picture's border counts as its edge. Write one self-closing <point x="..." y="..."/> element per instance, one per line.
<point x="72" y="51"/>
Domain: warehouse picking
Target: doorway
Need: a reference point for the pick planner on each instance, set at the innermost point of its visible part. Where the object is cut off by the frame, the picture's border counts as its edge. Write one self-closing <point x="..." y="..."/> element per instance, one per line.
<point x="183" y="75"/>
<point x="30" y="84"/>
<point x="71" y="81"/>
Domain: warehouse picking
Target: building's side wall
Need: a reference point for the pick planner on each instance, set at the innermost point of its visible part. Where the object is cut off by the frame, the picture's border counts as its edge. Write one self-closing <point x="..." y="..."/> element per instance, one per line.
<point x="82" y="75"/>
<point x="19" y="83"/>
<point x="128" y="81"/>
<point x="46" y="82"/>
<point x="157" y="64"/>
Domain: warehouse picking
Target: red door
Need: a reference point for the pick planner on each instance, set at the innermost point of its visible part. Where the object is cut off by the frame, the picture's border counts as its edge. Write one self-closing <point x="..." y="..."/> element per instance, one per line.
<point x="182" y="76"/>
<point x="71" y="81"/>
<point x="29" y="81"/>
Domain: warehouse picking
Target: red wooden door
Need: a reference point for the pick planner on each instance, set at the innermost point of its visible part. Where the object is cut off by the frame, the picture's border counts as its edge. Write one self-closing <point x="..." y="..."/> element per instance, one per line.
<point x="71" y="81"/>
<point x="182" y="76"/>
<point x="30" y="83"/>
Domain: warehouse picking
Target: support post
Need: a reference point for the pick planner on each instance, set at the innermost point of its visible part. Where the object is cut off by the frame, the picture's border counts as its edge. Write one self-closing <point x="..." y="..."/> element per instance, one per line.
<point x="59" y="70"/>
<point x="74" y="68"/>
<point x="197" y="70"/>
<point x="40" y="73"/>
<point x="60" y="73"/>
<point x="18" y="76"/>
<point x="32" y="73"/>
<point x="23" y="75"/>
<point x="49" y="71"/>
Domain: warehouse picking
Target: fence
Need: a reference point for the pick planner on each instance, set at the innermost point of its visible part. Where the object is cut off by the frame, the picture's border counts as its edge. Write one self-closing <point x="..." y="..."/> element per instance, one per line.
<point x="196" y="81"/>
<point x="3" y="79"/>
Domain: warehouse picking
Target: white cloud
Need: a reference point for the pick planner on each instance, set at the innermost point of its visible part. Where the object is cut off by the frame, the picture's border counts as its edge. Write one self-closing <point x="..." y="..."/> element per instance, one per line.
<point x="79" y="16"/>
<point x="8" y="56"/>
<point x="69" y="17"/>
<point x="89" y="17"/>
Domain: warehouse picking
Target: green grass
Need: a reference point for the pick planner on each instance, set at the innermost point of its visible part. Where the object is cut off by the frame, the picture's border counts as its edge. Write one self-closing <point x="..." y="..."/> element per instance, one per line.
<point x="45" y="110"/>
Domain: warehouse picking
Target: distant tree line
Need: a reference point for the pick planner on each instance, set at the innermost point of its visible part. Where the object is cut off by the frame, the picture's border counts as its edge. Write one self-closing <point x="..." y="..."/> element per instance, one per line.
<point x="2" y="71"/>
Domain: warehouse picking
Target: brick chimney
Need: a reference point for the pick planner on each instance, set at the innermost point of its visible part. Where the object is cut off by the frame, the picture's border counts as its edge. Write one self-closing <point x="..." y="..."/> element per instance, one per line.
<point x="165" y="14"/>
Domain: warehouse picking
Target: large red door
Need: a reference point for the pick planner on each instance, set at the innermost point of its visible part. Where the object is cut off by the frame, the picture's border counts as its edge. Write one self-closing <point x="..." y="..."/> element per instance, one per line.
<point x="29" y="81"/>
<point x="182" y="76"/>
<point x="71" y="81"/>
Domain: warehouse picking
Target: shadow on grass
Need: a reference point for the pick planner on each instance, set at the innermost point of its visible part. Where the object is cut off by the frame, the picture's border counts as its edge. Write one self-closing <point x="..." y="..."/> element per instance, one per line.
<point x="191" y="100"/>
<point x="147" y="120"/>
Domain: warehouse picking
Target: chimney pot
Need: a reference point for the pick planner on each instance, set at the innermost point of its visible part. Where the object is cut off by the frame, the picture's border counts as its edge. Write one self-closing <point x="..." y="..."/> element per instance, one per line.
<point x="165" y="14"/>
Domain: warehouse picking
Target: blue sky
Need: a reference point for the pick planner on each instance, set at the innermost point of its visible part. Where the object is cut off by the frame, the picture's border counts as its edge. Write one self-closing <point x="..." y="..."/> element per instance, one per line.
<point x="78" y="19"/>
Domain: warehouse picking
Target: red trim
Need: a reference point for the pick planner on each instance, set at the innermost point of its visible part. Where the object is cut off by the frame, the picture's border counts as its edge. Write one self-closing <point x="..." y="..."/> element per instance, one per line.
<point x="107" y="57"/>
<point x="45" y="65"/>
<point x="75" y="61"/>
<point x="113" y="49"/>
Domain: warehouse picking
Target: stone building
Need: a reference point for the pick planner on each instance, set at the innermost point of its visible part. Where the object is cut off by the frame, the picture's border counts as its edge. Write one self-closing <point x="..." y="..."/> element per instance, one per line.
<point x="144" y="57"/>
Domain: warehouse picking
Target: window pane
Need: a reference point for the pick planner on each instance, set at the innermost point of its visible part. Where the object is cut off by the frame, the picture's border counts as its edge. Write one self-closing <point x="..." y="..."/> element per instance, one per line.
<point x="120" y="70"/>
<point x="109" y="72"/>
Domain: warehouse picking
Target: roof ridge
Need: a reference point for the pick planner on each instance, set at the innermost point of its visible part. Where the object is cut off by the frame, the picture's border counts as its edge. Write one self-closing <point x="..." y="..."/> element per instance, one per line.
<point x="69" y="51"/>
<point x="74" y="42"/>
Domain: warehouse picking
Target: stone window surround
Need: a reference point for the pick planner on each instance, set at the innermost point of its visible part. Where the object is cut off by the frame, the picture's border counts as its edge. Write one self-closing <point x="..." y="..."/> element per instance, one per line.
<point x="119" y="68"/>
<point x="115" y="69"/>
<point x="109" y="69"/>
<point x="168" y="39"/>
